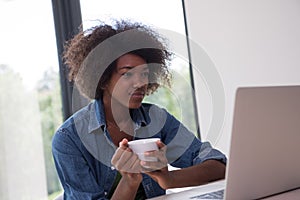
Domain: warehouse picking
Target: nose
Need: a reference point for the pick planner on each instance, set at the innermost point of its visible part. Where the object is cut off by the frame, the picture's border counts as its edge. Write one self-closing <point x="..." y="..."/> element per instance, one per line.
<point x="139" y="81"/>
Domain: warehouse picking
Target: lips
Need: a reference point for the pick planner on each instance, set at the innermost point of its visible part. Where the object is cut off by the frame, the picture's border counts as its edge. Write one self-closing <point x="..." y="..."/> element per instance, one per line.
<point x="137" y="94"/>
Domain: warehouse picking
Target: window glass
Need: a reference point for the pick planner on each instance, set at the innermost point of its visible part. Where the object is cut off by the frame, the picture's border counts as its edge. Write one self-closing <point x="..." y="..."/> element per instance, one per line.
<point x="167" y="18"/>
<point x="30" y="101"/>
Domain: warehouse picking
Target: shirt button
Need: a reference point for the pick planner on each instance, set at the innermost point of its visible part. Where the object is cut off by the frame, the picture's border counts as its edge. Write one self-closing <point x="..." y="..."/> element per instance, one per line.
<point x="105" y="193"/>
<point x="112" y="168"/>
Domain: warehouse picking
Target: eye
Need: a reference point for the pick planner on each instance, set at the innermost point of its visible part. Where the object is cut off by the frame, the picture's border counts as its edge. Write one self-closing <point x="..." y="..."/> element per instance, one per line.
<point x="127" y="74"/>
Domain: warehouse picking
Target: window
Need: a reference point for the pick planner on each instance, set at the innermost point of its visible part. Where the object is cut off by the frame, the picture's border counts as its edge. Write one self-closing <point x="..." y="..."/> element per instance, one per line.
<point x="30" y="101"/>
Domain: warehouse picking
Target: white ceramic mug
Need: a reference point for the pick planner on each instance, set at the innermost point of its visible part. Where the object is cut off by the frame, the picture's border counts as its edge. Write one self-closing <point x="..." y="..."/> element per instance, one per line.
<point x="141" y="146"/>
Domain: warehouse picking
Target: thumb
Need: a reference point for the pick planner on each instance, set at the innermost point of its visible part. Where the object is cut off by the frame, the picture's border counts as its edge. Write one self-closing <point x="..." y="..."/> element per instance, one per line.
<point x="160" y="145"/>
<point x="123" y="144"/>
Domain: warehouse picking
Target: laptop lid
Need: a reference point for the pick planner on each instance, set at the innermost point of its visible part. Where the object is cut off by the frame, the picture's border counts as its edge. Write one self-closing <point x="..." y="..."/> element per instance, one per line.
<point x="265" y="142"/>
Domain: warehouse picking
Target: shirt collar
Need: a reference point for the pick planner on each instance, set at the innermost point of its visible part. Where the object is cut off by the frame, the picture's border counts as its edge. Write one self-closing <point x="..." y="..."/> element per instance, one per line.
<point x="139" y="116"/>
<point x="97" y="116"/>
<point x="96" y="119"/>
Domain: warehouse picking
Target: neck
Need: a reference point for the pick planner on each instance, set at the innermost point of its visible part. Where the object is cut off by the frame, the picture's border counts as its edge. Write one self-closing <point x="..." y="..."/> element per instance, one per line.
<point x="115" y="112"/>
<point x="118" y="120"/>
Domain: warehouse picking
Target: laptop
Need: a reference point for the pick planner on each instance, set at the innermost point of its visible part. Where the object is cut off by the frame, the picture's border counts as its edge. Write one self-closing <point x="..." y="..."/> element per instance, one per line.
<point x="264" y="151"/>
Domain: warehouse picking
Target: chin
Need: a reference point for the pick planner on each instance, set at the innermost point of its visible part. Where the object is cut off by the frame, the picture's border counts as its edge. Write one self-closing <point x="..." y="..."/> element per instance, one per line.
<point x="135" y="105"/>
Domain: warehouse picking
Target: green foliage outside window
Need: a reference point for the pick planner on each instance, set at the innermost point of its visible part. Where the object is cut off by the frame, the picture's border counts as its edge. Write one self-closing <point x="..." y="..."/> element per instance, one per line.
<point x="51" y="118"/>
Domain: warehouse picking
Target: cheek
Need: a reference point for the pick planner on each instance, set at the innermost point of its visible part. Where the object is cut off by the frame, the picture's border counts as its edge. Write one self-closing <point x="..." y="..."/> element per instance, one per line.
<point x="120" y="89"/>
<point x="115" y="85"/>
<point x="119" y="92"/>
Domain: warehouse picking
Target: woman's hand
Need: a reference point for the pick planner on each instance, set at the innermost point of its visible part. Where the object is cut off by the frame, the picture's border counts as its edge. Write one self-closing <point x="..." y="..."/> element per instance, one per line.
<point x="158" y="170"/>
<point x="127" y="163"/>
<point x="207" y="171"/>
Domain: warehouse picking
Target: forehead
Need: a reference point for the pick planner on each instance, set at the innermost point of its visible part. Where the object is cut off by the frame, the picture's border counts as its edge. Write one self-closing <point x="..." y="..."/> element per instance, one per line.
<point x="130" y="60"/>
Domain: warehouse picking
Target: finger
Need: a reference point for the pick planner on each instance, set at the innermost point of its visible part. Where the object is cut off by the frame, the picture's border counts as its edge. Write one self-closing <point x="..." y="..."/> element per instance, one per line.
<point x="123" y="144"/>
<point x="146" y="167"/>
<point x="160" y="155"/>
<point x="135" y="167"/>
<point x="152" y="166"/>
<point x="121" y="163"/>
<point x="161" y="162"/>
<point x="162" y="152"/>
<point x="160" y="144"/>
<point x="117" y="155"/>
<point x="130" y="164"/>
<point x="151" y="155"/>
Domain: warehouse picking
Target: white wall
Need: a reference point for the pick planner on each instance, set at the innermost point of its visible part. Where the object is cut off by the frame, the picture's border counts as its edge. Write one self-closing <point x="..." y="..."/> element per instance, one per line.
<point x="255" y="42"/>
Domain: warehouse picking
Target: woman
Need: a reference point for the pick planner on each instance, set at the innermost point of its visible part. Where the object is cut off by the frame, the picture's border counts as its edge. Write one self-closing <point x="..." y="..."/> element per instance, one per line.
<point x="117" y="66"/>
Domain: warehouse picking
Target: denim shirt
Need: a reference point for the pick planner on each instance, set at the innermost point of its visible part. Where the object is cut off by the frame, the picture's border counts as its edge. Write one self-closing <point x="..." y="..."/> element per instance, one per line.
<point x="82" y="149"/>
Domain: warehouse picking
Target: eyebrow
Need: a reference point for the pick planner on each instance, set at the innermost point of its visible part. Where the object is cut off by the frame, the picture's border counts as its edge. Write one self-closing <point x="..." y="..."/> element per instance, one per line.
<point x="131" y="67"/>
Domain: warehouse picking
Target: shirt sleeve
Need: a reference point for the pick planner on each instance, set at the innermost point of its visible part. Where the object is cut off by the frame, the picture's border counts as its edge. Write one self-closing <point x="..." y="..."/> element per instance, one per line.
<point x="74" y="173"/>
<point x="184" y="149"/>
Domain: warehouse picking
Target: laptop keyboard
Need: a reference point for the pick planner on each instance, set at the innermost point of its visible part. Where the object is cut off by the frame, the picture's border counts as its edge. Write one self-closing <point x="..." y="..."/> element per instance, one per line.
<point x="211" y="195"/>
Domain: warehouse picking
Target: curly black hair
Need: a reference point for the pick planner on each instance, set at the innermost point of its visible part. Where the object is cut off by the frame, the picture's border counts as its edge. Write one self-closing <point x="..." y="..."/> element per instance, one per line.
<point x="91" y="55"/>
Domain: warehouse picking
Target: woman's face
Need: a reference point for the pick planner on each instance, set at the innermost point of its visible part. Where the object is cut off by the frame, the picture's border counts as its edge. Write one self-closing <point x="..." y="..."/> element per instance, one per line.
<point x="128" y="84"/>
